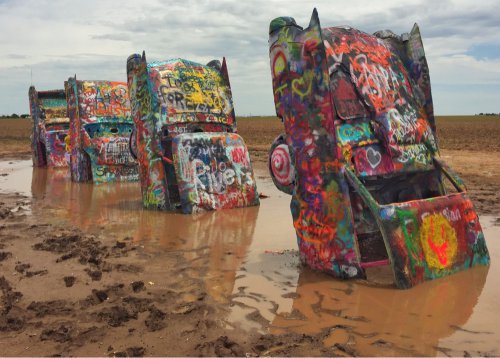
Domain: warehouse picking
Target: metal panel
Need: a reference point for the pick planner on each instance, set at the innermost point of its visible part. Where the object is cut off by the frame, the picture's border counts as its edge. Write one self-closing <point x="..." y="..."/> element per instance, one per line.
<point x="213" y="172"/>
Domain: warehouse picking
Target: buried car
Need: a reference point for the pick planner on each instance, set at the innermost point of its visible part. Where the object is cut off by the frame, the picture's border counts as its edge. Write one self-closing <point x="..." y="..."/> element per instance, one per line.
<point x="100" y="127"/>
<point x="189" y="154"/>
<point x="50" y="127"/>
<point x="360" y="156"/>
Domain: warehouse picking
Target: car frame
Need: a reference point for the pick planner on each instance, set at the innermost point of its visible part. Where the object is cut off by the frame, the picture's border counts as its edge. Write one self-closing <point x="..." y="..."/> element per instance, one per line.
<point x="100" y="127"/>
<point x="48" y="111"/>
<point x="189" y="154"/>
<point x="360" y="156"/>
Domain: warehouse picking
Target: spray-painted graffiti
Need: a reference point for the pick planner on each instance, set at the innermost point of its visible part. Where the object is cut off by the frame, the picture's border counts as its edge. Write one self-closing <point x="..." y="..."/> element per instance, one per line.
<point x="100" y="128"/>
<point x="368" y="188"/>
<point x="213" y="172"/>
<point x="103" y="99"/>
<point x="281" y="165"/>
<point x="190" y="92"/>
<point x="429" y="239"/>
<point x="50" y="127"/>
<point x="180" y="168"/>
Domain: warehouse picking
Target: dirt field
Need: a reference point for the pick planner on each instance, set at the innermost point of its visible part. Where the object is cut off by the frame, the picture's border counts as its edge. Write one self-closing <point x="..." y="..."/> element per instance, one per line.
<point x="15" y="137"/>
<point x="65" y="291"/>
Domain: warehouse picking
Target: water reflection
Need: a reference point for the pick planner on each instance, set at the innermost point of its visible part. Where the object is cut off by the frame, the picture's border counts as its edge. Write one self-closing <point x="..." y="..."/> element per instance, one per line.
<point x="87" y="206"/>
<point x="383" y="321"/>
<point x="215" y="243"/>
<point x="372" y="319"/>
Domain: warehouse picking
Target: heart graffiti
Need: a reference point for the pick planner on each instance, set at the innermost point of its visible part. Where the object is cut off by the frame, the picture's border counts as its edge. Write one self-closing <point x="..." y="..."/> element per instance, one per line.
<point x="374" y="157"/>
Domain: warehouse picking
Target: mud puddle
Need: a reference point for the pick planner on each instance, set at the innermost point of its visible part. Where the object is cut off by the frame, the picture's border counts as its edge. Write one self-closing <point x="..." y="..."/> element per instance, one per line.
<point x="248" y="260"/>
<point x="15" y="176"/>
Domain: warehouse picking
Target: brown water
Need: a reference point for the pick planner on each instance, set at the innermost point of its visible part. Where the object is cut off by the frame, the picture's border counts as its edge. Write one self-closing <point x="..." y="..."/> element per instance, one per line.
<point x="253" y="267"/>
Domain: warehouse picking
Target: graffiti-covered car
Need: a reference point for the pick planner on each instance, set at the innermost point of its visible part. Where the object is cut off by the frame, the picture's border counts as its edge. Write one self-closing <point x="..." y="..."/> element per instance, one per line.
<point x="360" y="155"/>
<point x="50" y="127"/>
<point x="100" y="128"/>
<point x="190" y="157"/>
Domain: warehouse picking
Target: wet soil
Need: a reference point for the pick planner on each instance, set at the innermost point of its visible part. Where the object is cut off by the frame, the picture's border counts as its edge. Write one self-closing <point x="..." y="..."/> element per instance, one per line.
<point x="86" y="272"/>
<point x="98" y="297"/>
<point x="118" y="299"/>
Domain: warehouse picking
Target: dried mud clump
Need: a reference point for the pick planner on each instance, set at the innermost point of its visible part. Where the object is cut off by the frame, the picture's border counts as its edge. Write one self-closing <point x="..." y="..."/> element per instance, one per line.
<point x="44" y="308"/>
<point x="155" y="320"/>
<point x="116" y="315"/>
<point x="23" y="269"/>
<point x="69" y="281"/>
<point x="74" y="245"/>
<point x="4" y="255"/>
<point x="95" y="275"/>
<point x="10" y="318"/>
<point x="62" y="333"/>
<point x="137" y="286"/>
<point x="220" y="347"/>
<point x="4" y="212"/>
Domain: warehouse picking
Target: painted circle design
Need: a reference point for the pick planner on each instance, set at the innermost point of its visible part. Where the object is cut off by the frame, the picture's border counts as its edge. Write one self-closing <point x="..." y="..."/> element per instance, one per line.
<point x="439" y="241"/>
<point x="281" y="165"/>
<point x="279" y="64"/>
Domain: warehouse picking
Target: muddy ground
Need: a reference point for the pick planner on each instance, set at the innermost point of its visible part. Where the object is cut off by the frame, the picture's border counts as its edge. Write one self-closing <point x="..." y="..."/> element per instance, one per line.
<point x="65" y="291"/>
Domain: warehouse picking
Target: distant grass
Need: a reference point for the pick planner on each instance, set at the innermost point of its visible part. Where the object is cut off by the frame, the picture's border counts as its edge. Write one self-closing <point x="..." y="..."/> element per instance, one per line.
<point x="15" y="128"/>
<point x="259" y="132"/>
<point x="15" y="136"/>
<point x="469" y="132"/>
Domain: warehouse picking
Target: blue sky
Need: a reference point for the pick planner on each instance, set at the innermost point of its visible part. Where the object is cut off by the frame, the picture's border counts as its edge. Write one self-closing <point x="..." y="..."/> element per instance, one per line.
<point x="59" y="38"/>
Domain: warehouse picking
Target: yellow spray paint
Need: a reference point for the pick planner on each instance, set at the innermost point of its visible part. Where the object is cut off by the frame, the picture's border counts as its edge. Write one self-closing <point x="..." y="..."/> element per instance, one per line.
<point x="439" y="241"/>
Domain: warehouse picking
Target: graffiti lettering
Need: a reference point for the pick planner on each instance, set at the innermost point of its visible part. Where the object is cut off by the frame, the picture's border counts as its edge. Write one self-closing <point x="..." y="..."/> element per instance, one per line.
<point x="117" y="152"/>
<point x="452" y="215"/>
<point x="192" y="89"/>
<point x="417" y="153"/>
<point x="104" y="98"/>
<point x="211" y="169"/>
<point x="379" y="83"/>
<point x="239" y="155"/>
<point x="181" y="101"/>
<point x="216" y="178"/>
<point x="354" y="133"/>
<point x="204" y="147"/>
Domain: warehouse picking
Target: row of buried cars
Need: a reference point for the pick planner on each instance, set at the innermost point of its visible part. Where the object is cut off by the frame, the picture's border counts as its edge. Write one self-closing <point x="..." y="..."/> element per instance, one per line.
<point x="176" y="131"/>
<point x="359" y="153"/>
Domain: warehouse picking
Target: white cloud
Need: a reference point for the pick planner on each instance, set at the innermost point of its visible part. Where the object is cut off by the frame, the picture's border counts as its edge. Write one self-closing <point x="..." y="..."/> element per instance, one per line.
<point x="93" y="39"/>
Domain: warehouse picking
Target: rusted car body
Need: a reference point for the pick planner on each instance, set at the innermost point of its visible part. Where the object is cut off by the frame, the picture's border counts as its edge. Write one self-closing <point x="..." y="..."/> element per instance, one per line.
<point x="189" y="154"/>
<point x="100" y="127"/>
<point x="50" y="127"/>
<point x="360" y="156"/>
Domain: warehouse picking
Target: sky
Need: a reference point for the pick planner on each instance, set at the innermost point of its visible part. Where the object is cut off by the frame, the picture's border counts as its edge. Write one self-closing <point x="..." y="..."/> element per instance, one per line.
<point x="44" y="42"/>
